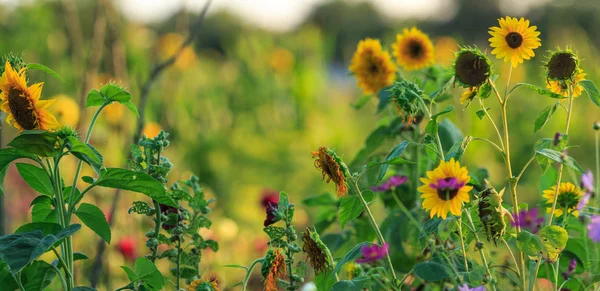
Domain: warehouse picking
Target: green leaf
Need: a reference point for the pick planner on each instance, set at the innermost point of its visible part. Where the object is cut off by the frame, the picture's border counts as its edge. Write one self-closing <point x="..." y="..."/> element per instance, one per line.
<point x="544" y="116"/>
<point x="324" y="199"/>
<point x="356" y="284"/>
<point x="37" y="142"/>
<point x="40" y="67"/>
<point x="95" y="219"/>
<point x="352" y="255"/>
<point x="37" y="276"/>
<point x="77" y="256"/>
<point x="85" y="152"/>
<point x="361" y="102"/>
<point x="431" y="271"/>
<point x="325" y="281"/>
<point x="131" y="106"/>
<point x="136" y="182"/>
<point x="435" y="95"/>
<point x="396" y="152"/>
<point x="351" y="206"/>
<point x="6" y="278"/>
<point x="537" y="89"/>
<point x="45" y="227"/>
<point x="481" y="113"/>
<point x="43" y="212"/>
<point x="449" y="134"/>
<point x="554" y="239"/>
<point x="458" y="149"/>
<point x="447" y="109"/>
<point x="146" y="271"/>
<point x="130" y="273"/>
<point x="385" y="96"/>
<point x="43" y="199"/>
<point x="113" y="92"/>
<point x="530" y="244"/>
<point x="432" y="127"/>
<point x="284" y="200"/>
<point x="36" y="177"/>
<point x="591" y="90"/>
<point x="84" y="288"/>
<point x="563" y="159"/>
<point x="94" y="98"/>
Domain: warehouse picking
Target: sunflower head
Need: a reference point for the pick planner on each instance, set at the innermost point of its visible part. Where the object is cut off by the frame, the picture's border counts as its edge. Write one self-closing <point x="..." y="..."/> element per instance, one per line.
<point x="562" y="65"/>
<point x="22" y="103"/>
<point x="273" y="269"/>
<point x="472" y="68"/>
<point x="445" y="189"/>
<point x="568" y="198"/>
<point x="562" y="87"/>
<point x="372" y="66"/>
<point x="491" y="213"/>
<point x="332" y="167"/>
<point x="413" y="49"/>
<point x="406" y="96"/>
<point x="514" y="41"/>
<point x="203" y="285"/>
<point x="468" y="95"/>
<point x="316" y="251"/>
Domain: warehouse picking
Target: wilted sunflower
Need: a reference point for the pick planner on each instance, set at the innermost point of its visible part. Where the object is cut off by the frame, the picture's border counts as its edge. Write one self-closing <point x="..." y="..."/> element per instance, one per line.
<point x="406" y="96"/>
<point x="372" y="66"/>
<point x="559" y="87"/>
<point x="491" y="213"/>
<point x="332" y="167"/>
<point x="514" y="40"/>
<point x="203" y="285"/>
<point x="23" y="105"/>
<point x="568" y="198"/>
<point x="273" y="269"/>
<point x="562" y="65"/>
<point x="317" y="252"/>
<point x="413" y="49"/>
<point x="445" y="189"/>
<point x="471" y="67"/>
<point x="468" y="95"/>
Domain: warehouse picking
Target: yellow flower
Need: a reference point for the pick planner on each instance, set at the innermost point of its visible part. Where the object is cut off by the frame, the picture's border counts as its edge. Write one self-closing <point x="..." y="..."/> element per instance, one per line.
<point x="445" y="189"/>
<point x="514" y="40"/>
<point x="468" y="95"/>
<point x="66" y="110"/>
<point x="23" y="105"/>
<point x="169" y="44"/>
<point x="151" y="129"/>
<point x="413" y="49"/>
<point x="281" y="61"/>
<point x="372" y="66"/>
<point x="556" y="87"/>
<point x="568" y="198"/>
<point x="206" y="283"/>
<point x="113" y="113"/>
<point x="445" y="47"/>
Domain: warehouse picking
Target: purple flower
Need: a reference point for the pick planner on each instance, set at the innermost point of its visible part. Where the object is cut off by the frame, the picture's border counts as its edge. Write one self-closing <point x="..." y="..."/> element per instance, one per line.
<point x="372" y="253"/>
<point x="528" y="220"/>
<point x="465" y="287"/>
<point x="570" y="270"/>
<point x="392" y="182"/>
<point x="271" y="209"/>
<point x="594" y="228"/>
<point x="557" y="138"/>
<point x="587" y="184"/>
<point x="447" y="184"/>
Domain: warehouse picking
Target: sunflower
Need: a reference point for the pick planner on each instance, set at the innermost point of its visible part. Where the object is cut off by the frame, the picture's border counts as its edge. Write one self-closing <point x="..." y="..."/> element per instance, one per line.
<point x="568" y="198"/>
<point x="468" y="95"/>
<point x="445" y="189"/>
<point x="372" y="66"/>
<point x="558" y="88"/>
<point x="23" y="105"/>
<point x="333" y="168"/>
<point x="66" y="110"/>
<point x="471" y="67"/>
<point x="514" y="40"/>
<point x="562" y="65"/>
<point x="203" y="284"/>
<point x="316" y="251"/>
<point x="413" y="49"/>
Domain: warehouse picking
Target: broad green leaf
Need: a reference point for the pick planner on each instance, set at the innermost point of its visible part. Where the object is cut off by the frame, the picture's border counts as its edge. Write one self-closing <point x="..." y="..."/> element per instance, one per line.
<point x="350" y="256"/>
<point x="325" y="281"/>
<point x="131" y="106"/>
<point x="431" y="271"/>
<point x="146" y="271"/>
<point x="85" y="152"/>
<point x="113" y="92"/>
<point x="431" y="226"/>
<point x="530" y="244"/>
<point x="130" y="273"/>
<point x="136" y="182"/>
<point x="356" y="284"/>
<point x="324" y="199"/>
<point x="37" y="276"/>
<point x="95" y="219"/>
<point x="40" y="67"/>
<point x="94" y="98"/>
<point x="37" y="142"/>
<point x="449" y="134"/>
<point x="447" y="109"/>
<point x="77" y="256"/>
<point x="539" y="90"/>
<point x="41" y="199"/>
<point x="361" y="102"/>
<point x="36" y="177"/>
<point x="432" y="127"/>
<point x="554" y="239"/>
<point x="591" y="90"/>
<point x="544" y="116"/>
<point x="351" y="206"/>
<point x="563" y="159"/>
<point x="46" y="227"/>
<point x="396" y="152"/>
<point x="6" y="278"/>
<point x="458" y="149"/>
<point x="43" y="212"/>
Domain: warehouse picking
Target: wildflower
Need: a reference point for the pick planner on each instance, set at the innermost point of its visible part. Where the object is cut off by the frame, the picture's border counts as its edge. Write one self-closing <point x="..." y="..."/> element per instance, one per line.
<point x="468" y="95"/>
<point x="269" y="195"/>
<point x="569" y="196"/>
<point x="151" y="129"/>
<point x="167" y="211"/>
<point x="445" y="47"/>
<point x="514" y="40"/>
<point x="557" y="138"/>
<point x="445" y="189"/>
<point x="594" y="228"/>
<point x="471" y="67"/>
<point x="528" y="219"/>
<point x="169" y="45"/>
<point x="373" y="253"/>
<point x="571" y="269"/>
<point x="203" y="285"/>
<point x="391" y="183"/>
<point x="113" y="113"/>
<point x="491" y="213"/>
<point x="127" y="247"/>
<point x="465" y="287"/>
<point x="66" y="110"/>
<point x="333" y="168"/>
<point x="353" y="270"/>
<point x="271" y="210"/>
<point x="273" y="269"/>
<point x="23" y="105"/>
<point x="372" y="66"/>
<point x="317" y="252"/>
<point x="587" y="184"/>
<point x="281" y="61"/>
<point x="413" y="49"/>
<point x="406" y="96"/>
<point x="558" y="88"/>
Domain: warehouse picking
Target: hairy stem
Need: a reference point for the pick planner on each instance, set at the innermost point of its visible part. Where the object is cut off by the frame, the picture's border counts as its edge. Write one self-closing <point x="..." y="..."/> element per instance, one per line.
<point x="249" y="272"/>
<point x="481" y="253"/>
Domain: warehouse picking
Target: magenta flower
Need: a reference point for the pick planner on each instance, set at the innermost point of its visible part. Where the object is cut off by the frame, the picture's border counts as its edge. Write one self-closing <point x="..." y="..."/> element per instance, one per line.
<point x="271" y="209"/>
<point x="465" y="287"/>
<point x="528" y="219"/>
<point x="391" y="183"/>
<point x="594" y="228"/>
<point x="587" y="184"/>
<point x="557" y="138"/>
<point x="571" y="269"/>
<point x="373" y="253"/>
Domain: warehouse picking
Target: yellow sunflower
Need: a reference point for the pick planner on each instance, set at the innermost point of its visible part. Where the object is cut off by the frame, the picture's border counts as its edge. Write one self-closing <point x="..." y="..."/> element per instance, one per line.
<point x="207" y="284"/>
<point x="66" y="110"/>
<point x="23" y="105"/>
<point x="372" y="66"/>
<point x="468" y="95"/>
<point x="568" y="198"/>
<point x="413" y="49"/>
<point x="556" y="87"/>
<point x="514" y="40"/>
<point x="445" y="189"/>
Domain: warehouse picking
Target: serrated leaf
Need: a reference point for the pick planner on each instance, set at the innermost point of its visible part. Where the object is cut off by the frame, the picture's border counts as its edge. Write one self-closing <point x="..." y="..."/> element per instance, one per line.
<point x="544" y="116"/>
<point x="36" y="177"/>
<point x="37" y="142"/>
<point x="40" y="67"/>
<point x="351" y="206"/>
<point x="95" y="219"/>
<point x="136" y="182"/>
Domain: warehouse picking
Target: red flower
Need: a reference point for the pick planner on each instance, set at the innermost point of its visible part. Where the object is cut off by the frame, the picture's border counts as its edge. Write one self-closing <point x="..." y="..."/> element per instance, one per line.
<point x="128" y="248"/>
<point x="269" y="195"/>
<point x="271" y="209"/>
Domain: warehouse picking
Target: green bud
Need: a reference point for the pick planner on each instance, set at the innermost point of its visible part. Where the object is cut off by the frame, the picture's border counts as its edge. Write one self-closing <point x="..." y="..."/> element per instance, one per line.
<point x="596" y="125"/>
<point x="152" y="243"/>
<point x="150" y="234"/>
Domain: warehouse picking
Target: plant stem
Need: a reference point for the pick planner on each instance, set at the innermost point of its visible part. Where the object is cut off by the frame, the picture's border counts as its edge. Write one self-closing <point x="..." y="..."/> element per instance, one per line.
<point x="534" y="279"/>
<point x="462" y="243"/>
<point x="375" y="227"/>
<point x="18" y="279"/>
<point x="493" y="124"/>
<point x="158" y="224"/>
<point x="406" y="212"/>
<point x="524" y="168"/>
<point x="249" y="272"/>
<point x="179" y="252"/>
<point x="483" y="259"/>
<point x="513" y="256"/>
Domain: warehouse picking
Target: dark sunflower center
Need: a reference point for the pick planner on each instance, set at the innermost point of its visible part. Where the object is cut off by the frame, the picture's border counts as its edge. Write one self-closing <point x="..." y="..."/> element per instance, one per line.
<point x="471" y="69"/>
<point x="373" y="67"/>
<point x="447" y="188"/>
<point x="561" y="66"/>
<point x="21" y="109"/>
<point x="514" y="39"/>
<point x="415" y="49"/>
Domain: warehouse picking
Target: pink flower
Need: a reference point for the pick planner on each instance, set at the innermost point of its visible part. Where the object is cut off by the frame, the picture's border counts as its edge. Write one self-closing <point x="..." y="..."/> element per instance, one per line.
<point x="128" y="248"/>
<point x="373" y="253"/>
<point x="594" y="228"/>
<point x="391" y="183"/>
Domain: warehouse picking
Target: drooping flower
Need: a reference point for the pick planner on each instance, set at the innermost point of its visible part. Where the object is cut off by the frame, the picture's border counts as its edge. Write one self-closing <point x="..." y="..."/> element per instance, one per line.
<point x="333" y="168"/>
<point x="528" y="219"/>
<point x="559" y="87"/>
<point x="570" y="269"/>
<point x="317" y="252"/>
<point x="372" y="66"/>
<point x="392" y="182"/>
<point x="271" y="211"/>
<point x="491" y="213"/>
<point x="587" y="185"/>
<point x="445" y="189"/>
<point x="569" y="196"/>
<point x="203" y="285"/>
<point x="22" y="103"/>
<point x="273" y="269"/>
<point x="127" y="246"/>
<point x="472" y="68"/>
<point x="373" y="253"/>
<point x="406" y="96"/>
<point x="594" y="228"/>
<point x="514" y="40"/>
<point x="468" y="95"/>
<point x="66" y="110"/>
<point x="465" y="287"/>
<point x="413" y="49"/>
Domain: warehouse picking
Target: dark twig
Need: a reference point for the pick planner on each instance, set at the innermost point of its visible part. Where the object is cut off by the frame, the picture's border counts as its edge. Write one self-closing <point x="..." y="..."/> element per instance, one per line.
<point x="145" y="90"/>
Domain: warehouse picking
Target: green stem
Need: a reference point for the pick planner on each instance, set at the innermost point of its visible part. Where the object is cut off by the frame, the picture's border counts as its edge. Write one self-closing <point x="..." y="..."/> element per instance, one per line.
<point x="462" y="244"/>
<point x="61" y="260"/>
<point x="18" y="279"/>
<point x="406" y="211"/>
<point x="179" y="252"/>
<point x="158" y="224"/>
<point x="513" y="257"/>
<point x="481" y="253"/>
<point x="249" y="272"/>
<point x="534" y="278"/>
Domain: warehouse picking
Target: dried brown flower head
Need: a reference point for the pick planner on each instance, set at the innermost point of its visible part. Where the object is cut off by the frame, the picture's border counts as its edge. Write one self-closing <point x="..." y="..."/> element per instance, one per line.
<point x="331" y="167"/>
<point x="273" y="269"/>
<point x="316" y="251"/>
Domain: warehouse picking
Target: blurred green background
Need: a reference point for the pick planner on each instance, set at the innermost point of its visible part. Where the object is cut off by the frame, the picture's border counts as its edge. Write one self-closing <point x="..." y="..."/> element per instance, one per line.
<point x="261" y="87"/>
